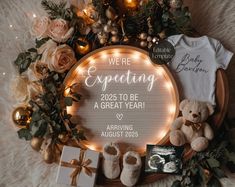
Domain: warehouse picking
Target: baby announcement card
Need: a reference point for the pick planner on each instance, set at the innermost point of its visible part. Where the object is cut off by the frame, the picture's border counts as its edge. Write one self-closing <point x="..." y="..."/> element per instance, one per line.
<point x="126" y="98"/>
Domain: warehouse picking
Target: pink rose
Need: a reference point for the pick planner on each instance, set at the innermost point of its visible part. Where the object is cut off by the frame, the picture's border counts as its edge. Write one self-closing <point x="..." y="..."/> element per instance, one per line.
<point x="59" y="30"/>
<point x="39" y="28"/>
<point x="62" y="59"/>
<point x="57" y="58"/>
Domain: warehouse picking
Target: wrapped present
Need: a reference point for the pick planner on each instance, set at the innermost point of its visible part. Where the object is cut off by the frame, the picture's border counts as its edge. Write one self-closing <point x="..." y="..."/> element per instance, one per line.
<point x="78" y="167"/>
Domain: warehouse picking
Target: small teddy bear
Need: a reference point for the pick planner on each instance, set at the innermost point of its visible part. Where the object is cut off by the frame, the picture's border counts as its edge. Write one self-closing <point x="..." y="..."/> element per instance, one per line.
<point x="191" y="126"/>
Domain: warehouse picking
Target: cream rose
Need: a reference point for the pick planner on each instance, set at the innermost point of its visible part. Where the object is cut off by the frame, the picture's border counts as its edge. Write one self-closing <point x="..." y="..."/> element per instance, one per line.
<point x="59" y="30"/>
<point x="62" y="59"/>
<point x="39" y="28"/>
<point x="57" y="58"/>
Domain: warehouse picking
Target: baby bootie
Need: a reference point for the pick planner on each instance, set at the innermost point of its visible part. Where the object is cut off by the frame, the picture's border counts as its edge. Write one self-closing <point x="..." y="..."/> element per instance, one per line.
<point x="131" y="168"/>
<point x="111" y="167"/>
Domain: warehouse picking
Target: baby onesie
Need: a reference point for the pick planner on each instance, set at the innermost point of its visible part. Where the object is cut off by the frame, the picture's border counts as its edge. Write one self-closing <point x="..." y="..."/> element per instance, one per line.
<point x="195" y="64"/>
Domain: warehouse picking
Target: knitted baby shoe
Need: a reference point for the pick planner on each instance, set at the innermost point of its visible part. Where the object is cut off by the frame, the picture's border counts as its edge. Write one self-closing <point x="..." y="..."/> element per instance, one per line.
<point x="131" y="168"/>
<point x="111" y="167"/>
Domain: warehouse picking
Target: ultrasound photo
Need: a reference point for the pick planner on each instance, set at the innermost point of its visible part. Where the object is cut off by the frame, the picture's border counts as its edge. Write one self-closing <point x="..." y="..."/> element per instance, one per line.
<point x="164" y="159"/>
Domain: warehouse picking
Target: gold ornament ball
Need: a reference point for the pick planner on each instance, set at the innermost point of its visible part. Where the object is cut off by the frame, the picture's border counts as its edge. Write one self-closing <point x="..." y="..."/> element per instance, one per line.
<point x="83" y="49"/>
<point x="63" y="138"/>
<point x="143" y="43"/>
<point x="49" y="154"/>
<point x="110" y="13"/>
<point x="103" y="40"/>
<point x="115" y="39"/>
<point x="114" y="31"/>
<point x="107" y="28"/>
<point x="143" y="36"/>
<point x="21" y="116"/>
<point x="149" y="38"/>
<point x="36" y="143"/>
<point x="162" y="35"/>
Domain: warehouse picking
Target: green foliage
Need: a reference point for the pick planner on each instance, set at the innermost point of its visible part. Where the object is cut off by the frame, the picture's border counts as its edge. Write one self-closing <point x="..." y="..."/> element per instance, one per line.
<point x="55" y="10"/>
<point x="24" y="59"/>
<point x="39" y="43"/>
<point x="204" y="168"/>
<point x="24" y="133"/>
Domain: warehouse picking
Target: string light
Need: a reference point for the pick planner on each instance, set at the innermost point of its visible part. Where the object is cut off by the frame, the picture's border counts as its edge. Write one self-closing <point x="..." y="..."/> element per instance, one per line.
<point x="104" y="55"/>
<point x="116" y="53"/>
<point x="168" y="85"/>
<point x="92" y="147"/>
<point x="136" y="55"/>
<point x="171" y="109"/>
<point x="80" y="70"/>
<point x="34" y="15"/>
<point x="159" y="71"/>
<point x="10" y="25"/>
<point x="91" y="60"/>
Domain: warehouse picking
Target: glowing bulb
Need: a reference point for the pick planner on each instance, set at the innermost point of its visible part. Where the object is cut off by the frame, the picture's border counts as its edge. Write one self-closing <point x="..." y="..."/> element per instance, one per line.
<point x="162" y="133"/>
<point x="67" y="91"/>
<point x="69" y="109"/>
<point x="147" y="62"/>
<point x="159" y="71"/>
<point x="104" y="55"/>
<point x="11" y="26"/>
<point x="91" y="60"/>
<point x="116" y="53"/>
<point x="136" y="55"/>
<point x="171" y="109"/>
<point x="168" y="85"/>
<point x="80" y="70"/>
<point x="91" y="147"/>
<point x="34" y="15"/>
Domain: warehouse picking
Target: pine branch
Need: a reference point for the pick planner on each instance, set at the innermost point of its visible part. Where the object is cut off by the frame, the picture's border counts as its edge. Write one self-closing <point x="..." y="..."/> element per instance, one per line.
<point x="57" y="10"/>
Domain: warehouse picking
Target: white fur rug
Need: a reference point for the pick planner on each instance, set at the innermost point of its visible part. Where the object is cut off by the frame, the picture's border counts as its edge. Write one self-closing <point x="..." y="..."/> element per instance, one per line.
<point x="20" y="165"/>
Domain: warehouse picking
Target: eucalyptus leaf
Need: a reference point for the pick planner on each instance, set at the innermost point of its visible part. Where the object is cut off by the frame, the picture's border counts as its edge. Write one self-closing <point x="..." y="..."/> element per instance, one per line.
<point x="214" y="182"/>
<point x="68" y="101"/>
<point x="213" y="163"/>
<point x="176" y="183"/>
<point x="24" y="133"/>
<point x="219" y="173"/>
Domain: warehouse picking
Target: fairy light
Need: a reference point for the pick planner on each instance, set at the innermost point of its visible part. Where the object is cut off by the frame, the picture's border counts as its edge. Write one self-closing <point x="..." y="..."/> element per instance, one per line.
<point x="116" y="53"/>
<point x="69" y="109"/>
<point x="168" y="85"/>
<point x="159" y="71"/>
<point x="147" y="62"/>
<point x="67" y="91"/>
<point x="91" y="60"/>
<point x="80" y="70"/>
<point x="171" y="109"/>
<point x="34" y="15"/>
<point x="104" y="55"/>
<point x="136" y="55"/>
<point x="162" y="133"/>
<point x="92" y="147"/>
<point x="10" y="25"/>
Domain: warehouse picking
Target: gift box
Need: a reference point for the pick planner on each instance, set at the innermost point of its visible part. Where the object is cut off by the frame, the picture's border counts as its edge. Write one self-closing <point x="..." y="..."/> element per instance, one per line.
<point x="78" y="167"/>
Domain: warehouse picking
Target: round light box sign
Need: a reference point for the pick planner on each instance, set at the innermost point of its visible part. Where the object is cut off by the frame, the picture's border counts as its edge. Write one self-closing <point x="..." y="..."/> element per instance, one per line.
<point x="126" y="98"/>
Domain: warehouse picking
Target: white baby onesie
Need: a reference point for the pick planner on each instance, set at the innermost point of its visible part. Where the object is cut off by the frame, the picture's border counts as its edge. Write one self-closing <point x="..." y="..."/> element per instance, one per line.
<point x="195" y="64"/>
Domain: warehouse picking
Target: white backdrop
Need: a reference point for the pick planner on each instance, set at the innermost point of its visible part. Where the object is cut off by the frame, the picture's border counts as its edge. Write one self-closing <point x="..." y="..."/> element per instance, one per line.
<point x="20" y="165"/>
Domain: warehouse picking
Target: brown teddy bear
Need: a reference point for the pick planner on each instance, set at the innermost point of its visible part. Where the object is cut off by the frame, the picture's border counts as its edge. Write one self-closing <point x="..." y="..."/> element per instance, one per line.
<point x="191" y="127"/>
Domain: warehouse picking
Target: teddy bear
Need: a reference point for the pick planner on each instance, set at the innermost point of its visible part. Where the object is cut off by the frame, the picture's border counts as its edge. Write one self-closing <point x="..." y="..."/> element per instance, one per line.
<point x="191" y="126"/>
